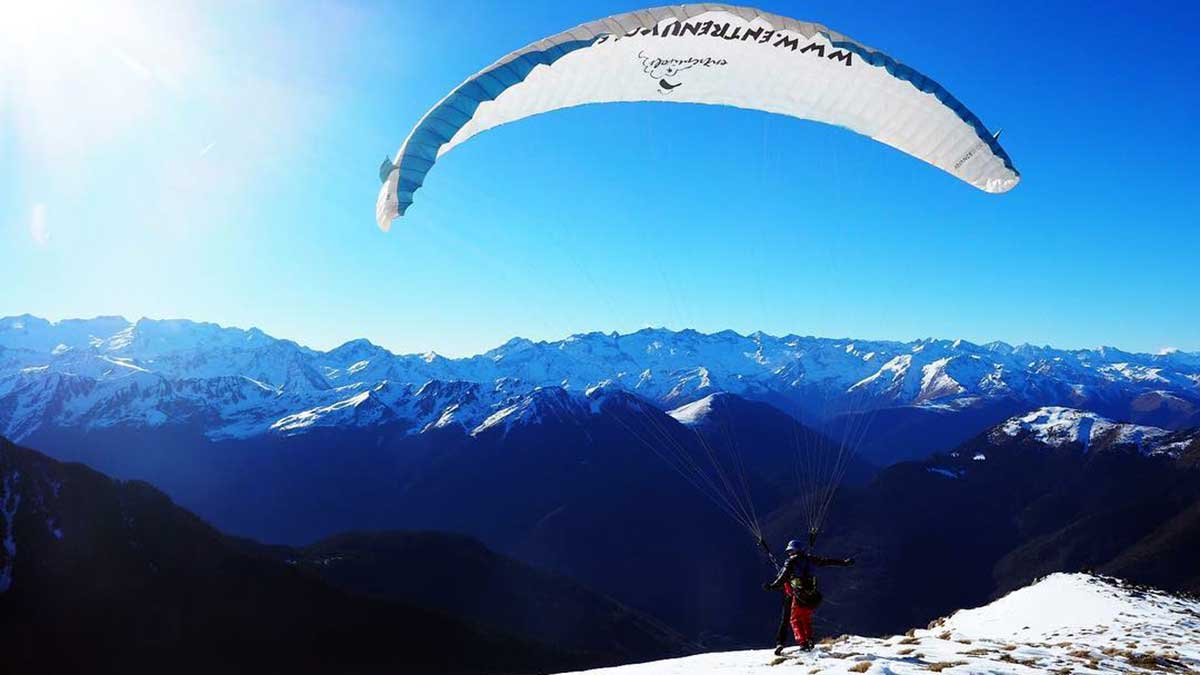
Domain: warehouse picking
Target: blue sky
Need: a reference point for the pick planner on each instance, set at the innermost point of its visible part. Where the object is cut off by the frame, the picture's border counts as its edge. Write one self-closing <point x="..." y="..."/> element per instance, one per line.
<point x="218" y="161"/>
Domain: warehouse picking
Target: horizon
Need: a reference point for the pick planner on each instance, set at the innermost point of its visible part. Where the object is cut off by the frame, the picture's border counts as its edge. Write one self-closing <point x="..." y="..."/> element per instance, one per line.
<point x="542" y="340"/>
<point x="225" y="166"/>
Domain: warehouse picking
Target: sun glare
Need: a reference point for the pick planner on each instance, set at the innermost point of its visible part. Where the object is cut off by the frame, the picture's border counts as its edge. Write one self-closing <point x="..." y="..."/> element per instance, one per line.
<point x="57" y="31"/>
<point x="73" y="73"/>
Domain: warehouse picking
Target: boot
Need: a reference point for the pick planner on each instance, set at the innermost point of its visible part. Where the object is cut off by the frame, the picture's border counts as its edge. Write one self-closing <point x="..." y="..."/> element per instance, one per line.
<point x="778" y="650"/>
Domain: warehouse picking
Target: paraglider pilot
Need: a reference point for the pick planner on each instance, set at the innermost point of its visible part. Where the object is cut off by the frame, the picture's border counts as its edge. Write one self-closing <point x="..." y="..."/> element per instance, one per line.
<point x="800" y="594"/>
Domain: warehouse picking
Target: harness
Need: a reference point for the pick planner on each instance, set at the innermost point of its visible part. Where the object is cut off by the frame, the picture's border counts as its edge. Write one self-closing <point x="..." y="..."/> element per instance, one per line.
<point x="803" y="588"/>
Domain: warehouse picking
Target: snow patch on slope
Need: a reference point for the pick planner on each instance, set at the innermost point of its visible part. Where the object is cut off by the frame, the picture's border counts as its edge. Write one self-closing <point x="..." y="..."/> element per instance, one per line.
<point x="1063" y="623"/>
<point x="325" y="416"/>
<point x="694" y="413"/>
<point x="936" y="382"/>
<point x="542" y="405"/>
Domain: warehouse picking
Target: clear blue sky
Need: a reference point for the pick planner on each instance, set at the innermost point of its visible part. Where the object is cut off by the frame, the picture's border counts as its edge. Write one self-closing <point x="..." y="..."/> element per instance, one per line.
<point x="217" y="161"/>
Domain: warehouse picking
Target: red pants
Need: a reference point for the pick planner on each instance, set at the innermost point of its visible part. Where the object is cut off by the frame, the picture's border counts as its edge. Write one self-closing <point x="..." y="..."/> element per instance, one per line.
<point x="801" y="623"/>
<point x="798" y="616"/>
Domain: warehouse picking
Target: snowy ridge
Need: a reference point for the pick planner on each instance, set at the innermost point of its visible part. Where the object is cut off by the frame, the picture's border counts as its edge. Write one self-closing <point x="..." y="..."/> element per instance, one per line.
<point x="238" y="383"/>
<point x="358" y="410"/>
<point x="694" y="413"/>
<point x="540" y="405"/>
<point x="1073" y="623"/>
<point x="1058" y="426"/>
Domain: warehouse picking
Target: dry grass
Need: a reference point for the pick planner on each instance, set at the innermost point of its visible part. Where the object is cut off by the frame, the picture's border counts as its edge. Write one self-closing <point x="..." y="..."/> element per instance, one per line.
<point x="910" y="632"/>
<point x="944" y="635"/>
<point x="1081" y="653"/>
<point x="979" y="651"/>
<point x="942" y="665"/>
<point x="1008" y="658"/>
<point x="778" y="660"/>
<point x="860" y="667"/>
<point x="910" y="641"/>
<point x="1153" y="661"/>
<point x="906" y="651"/>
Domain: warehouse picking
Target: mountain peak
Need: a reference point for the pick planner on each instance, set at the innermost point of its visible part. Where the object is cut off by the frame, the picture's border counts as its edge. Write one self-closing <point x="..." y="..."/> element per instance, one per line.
<point x="1058" y="426"/>
<point x="355" y="348"/>
<point x="699" y="411"/>
<point x="537" y="407"/>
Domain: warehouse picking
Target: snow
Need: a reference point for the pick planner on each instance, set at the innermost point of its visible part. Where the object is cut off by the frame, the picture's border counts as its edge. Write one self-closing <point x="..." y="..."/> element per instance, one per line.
<point x="892" y="373"/>
<point x="540" y="405"/>
<point x="1175" y="448"/>
<point x="1060" y="602"/>
<point x="124" y="363"/>
<point x="242" y="383"/>
<point x="495" y="419"/>
<point x="936" y="382"/>
<point x="1134" y="372"/>
<point x="260" y="385"/>
<point x="1058" y="426"/>
<point x="1073" y="623"/>
<point x="318" y="416"/>
<point x="693" y="413"/>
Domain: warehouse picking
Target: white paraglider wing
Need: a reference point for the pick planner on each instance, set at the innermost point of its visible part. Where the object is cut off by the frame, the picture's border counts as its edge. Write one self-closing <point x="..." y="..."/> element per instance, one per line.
<point x="709" y="54"/>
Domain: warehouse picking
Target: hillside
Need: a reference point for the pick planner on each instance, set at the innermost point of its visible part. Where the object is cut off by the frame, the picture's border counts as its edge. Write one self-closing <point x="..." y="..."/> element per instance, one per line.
<point x="98" y="575"/>
<point x="1065" y="623"/>
<point x="1046" y="491"/>
<point x="458" y="576"/>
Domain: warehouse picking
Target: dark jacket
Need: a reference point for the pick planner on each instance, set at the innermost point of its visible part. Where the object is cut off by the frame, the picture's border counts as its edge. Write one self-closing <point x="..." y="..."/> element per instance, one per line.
<point x="800" y="566"/>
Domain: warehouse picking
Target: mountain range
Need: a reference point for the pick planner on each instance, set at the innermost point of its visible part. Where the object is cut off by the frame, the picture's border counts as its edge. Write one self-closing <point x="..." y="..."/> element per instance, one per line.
<point x="978" y="467"/>
<point x="231" y="383"/>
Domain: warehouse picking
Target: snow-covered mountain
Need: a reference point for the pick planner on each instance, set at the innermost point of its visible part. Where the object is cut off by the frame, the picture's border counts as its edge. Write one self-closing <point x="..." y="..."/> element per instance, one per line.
<point x="1065" y="623"/>
<point x="1058" y="427"/>
<point x="234" y="383"/>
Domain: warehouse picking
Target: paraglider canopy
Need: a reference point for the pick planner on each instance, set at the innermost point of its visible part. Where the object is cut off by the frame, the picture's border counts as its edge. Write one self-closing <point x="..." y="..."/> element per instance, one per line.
<point x="709" y="54"/>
